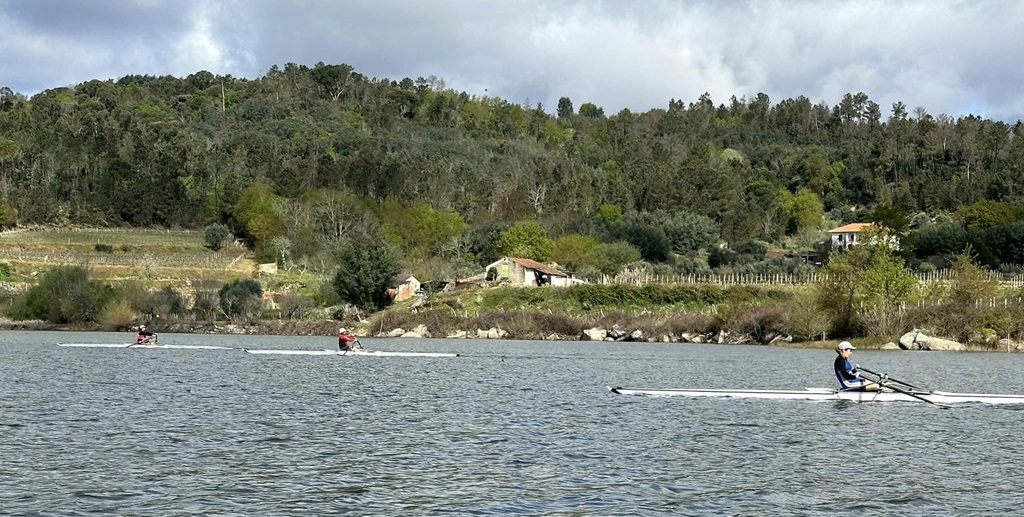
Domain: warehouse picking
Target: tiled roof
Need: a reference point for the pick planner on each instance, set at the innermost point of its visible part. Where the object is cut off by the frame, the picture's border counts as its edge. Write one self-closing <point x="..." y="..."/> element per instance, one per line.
<point x="401" y="278"/>
<point x="852" y="227"/>
<point x="533" y="264"/>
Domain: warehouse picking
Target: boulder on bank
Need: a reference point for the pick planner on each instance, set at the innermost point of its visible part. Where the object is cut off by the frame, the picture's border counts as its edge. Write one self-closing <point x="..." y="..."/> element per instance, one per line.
<point x="594" y="334"/>
<point x="491" y="333"/>
<point x="908" y="341"/>
<point x="731" y="338"/>
<point x="399" y="332"/>
<point x="940" y="344"/>
<point x="419" y="331"/>
<point x="617" y="333"/>
<point x="917" y="340"/>
<point x="889" y="346"/>
<point x="1009" y="345"/>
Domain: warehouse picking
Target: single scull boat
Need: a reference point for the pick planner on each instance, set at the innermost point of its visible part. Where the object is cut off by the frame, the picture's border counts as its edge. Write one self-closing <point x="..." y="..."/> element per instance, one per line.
<point x="373" y="353"/>
<point x="135" y="345"/>
<point x="936" y="397"/>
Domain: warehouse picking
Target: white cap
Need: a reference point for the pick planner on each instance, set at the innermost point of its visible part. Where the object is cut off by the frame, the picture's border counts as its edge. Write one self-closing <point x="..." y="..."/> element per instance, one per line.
<point x="845" y="345"/>
<point x="341" y="330"/>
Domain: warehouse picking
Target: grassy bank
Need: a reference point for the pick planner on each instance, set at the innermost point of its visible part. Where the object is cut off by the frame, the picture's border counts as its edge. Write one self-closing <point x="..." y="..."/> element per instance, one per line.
<point x="139" y="264"/>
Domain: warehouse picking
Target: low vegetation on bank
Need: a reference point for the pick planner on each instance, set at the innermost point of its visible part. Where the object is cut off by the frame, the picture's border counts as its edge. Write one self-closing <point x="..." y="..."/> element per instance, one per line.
<point x="867" y="292"/>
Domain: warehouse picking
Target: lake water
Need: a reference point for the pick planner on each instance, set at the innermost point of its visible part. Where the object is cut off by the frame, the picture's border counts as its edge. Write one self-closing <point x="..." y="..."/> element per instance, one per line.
<point x="508" y="428"/>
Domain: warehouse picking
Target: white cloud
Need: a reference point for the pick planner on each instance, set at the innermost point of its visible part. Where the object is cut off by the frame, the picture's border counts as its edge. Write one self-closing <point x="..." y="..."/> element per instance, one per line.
<point x="209" y="44"/>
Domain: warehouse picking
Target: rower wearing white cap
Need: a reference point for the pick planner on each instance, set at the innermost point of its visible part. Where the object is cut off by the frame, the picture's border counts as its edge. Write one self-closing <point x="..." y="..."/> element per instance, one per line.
<point x="848" y="373"/>
<point x="346" y="341"/>
<point x="145" y="337"/>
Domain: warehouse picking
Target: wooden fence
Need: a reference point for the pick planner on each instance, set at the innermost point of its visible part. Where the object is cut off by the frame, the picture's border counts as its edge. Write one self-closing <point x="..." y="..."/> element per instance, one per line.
<point x="643" y="278"/>
<point x="990" y="303"/>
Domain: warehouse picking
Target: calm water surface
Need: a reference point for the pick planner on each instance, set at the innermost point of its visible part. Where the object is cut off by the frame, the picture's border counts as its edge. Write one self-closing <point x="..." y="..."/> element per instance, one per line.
<point x="510" y="427"/>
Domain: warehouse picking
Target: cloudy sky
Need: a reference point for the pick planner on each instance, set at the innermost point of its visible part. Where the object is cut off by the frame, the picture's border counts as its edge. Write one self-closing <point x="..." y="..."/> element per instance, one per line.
<point x="954" y="57"/>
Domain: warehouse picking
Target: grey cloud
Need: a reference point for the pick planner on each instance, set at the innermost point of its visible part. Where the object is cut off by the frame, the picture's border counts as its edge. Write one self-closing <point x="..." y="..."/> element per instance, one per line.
<point x="98" y="18"/>
<point x="950" y="57"/>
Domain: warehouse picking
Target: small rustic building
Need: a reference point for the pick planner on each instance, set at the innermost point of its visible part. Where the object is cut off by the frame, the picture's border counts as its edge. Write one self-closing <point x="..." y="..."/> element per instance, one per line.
<point x="404" y="287"/>
<point x="526" y="272"/>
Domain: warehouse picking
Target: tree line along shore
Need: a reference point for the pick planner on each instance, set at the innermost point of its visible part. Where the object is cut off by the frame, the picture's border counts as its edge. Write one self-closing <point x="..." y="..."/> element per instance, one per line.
<point x="337" y="182"/>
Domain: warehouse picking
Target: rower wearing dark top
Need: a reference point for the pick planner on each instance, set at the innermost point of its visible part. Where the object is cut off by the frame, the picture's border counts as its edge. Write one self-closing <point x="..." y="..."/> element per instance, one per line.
<point x="847" y="372"/>
<point x="347" y="342"/>
<point x="145" y="337"/>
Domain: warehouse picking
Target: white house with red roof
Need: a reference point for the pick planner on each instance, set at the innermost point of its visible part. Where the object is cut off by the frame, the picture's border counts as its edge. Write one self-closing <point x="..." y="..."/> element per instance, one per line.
<point x="846" y="236"/>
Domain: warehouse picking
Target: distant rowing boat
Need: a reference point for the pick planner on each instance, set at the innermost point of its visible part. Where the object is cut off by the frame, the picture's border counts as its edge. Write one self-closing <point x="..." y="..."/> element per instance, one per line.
<point x="135" y="345"/>
<point x="935" y="397"/>
<point x="372" y="353"/>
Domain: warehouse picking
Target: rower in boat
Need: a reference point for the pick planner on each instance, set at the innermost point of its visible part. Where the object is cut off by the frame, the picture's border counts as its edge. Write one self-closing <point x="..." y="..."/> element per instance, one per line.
<point x="849" y="373"/>
<point x="348" y="342"/>
<point x="145" y="337"/>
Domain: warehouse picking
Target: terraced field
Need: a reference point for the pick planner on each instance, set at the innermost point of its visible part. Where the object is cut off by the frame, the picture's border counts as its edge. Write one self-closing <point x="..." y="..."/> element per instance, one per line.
<point x="160" y="257"/>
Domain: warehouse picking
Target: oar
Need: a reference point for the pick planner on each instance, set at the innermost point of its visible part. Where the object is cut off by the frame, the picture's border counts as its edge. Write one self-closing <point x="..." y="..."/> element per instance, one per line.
<point x="901" y="390"/>
<point x="916" y="396"/>
<point x="907" y="384"/>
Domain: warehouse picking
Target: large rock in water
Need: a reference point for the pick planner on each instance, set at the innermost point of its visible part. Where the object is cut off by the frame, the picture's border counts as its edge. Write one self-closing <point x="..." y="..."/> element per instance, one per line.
<point x="594" y="334"/>
<point x="916" y="340"/>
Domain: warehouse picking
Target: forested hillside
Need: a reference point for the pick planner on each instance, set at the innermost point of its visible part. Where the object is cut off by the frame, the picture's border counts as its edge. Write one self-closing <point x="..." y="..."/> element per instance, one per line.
<point x="302" y="159"/>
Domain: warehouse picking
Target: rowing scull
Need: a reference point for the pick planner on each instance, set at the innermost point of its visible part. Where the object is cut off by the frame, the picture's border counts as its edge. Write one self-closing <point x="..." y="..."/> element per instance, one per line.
<point x="136" y="345"/>
<point x="372" y="353"/>
<point x="938" y="397"/>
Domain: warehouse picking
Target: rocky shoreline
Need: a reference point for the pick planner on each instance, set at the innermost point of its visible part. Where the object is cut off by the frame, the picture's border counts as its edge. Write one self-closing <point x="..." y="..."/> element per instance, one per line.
<point x="914" y="340"/>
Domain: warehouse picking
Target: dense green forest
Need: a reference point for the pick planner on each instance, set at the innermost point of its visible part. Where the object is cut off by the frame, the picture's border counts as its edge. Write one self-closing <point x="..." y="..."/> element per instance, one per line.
<point x="302" y="159"/>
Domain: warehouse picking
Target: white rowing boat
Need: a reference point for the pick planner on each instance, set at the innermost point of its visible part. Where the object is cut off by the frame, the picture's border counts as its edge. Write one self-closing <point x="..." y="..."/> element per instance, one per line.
<point x="372" y="353"/>
<point x="935" y="397"/>
<point x="135" y="346"/>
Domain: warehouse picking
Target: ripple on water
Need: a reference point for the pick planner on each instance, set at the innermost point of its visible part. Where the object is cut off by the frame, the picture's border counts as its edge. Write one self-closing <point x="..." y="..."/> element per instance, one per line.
<point x="508" y="428"/>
